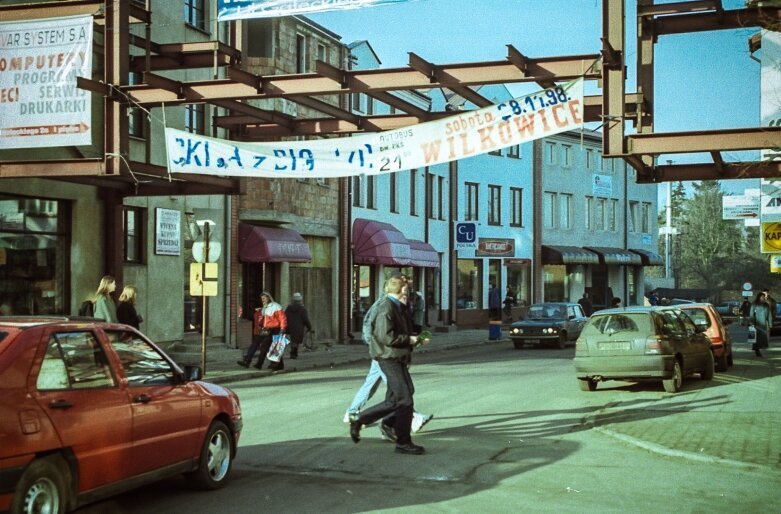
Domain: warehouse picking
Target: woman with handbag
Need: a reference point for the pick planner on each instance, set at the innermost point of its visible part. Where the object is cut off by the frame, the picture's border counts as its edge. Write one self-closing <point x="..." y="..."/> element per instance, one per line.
<point x="268" y="320"/>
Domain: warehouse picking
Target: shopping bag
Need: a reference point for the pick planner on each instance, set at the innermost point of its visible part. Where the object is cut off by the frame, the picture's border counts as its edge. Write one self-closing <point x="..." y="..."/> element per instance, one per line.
<point x="752" y="335"/>
<point x="277" y="349"/>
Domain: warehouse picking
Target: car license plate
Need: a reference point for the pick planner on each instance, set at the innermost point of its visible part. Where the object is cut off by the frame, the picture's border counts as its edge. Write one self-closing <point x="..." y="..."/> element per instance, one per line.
<point x="533" y="341"/>
<point x="614" y="345"/>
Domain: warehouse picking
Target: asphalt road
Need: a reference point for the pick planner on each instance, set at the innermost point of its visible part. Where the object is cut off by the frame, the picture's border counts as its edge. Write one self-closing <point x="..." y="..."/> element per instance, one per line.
<point x="512" y="432"/>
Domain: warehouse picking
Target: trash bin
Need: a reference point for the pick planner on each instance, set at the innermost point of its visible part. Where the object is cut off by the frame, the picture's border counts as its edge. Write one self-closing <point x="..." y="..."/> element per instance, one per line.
<point x="494" y="330"/>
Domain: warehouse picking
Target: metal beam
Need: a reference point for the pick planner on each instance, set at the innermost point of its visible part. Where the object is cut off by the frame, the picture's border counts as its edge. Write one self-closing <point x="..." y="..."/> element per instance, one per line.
<point x="708" y="171"/>
<point x="766" y="17"/>
<point x="53" y="168"/>
<point x="374" y="81"/>
<point x="437" y="76"/>
<point x="704" y="141"/>
<point x="613" y="77"/>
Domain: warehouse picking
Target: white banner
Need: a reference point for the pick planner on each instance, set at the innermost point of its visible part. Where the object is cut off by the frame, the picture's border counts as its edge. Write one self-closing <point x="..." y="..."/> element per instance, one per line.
<point x="241" y="9"/>
<point x="550" y="111"/>
<point x="770" y="82"/>
<point x="40" y="105"/>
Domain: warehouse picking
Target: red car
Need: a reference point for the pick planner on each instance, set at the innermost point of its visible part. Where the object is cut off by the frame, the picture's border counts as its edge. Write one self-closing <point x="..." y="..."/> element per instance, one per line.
<point x="89" y="409"/>
<point x="705" y="315"/>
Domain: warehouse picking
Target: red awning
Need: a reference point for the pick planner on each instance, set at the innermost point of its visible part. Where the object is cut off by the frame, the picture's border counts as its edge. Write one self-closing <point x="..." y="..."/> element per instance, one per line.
<point x="270" y="244"/>
<point x="423" y="254"/>
<point x="375" y="242"/>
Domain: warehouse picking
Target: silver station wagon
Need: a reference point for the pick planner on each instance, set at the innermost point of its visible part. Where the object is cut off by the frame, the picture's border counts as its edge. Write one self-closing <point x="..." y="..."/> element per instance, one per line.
<point x="642" y="343"/>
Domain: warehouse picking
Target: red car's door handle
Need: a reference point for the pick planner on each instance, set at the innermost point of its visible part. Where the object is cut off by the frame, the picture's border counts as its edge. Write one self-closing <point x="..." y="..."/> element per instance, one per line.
<point x="142" y="398"/>
<point x="60" y="404"/>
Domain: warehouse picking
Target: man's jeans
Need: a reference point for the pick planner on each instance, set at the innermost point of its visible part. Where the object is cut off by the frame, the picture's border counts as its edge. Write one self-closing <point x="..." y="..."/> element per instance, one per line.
<point x="369" y="387"/>
<point x="398" y="406"/>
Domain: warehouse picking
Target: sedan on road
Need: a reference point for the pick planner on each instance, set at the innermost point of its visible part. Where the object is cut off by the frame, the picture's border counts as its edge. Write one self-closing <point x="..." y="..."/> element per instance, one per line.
<point x="553" y="323"/>
<point x="89" y="409"/>
<point x="642" y="343"/>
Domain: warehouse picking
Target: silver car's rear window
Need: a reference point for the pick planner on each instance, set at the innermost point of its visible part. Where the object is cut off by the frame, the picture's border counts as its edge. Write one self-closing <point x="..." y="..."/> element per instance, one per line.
<point x="630" y="322"/>
<point x="698" y="316"/>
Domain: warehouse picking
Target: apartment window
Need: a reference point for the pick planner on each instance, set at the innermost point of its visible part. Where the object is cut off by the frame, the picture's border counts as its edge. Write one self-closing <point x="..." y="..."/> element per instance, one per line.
<point x="471" y="202"/>
<point x="394" y="192"/>
<point x="430" y="195"/>
<point x="357" y="200"/>
<point x="598" y="161"/>
<point x="588" y="214"/>
<point x="550" y="153"/>
<point x="195" y="13"/>
<point x="135" y="115"/>
<point x="565" y="216"/>
<point x="360" y="103"/>
<point x="516" y="195"/>
<point x="494" y="205"/>
<point x="599" y="214"/>
<point x="566" y="156"/>
<point x="195" y="118"/>
<point x="371" y="197"/>
<point x="612" y="210"/>
<point x="549" y="209"/>
<point x="496" y="152"/>
<point x="633" y="226"/>
<point x="646" y="218"/>
<point x="322" y="52"/>
<point x="441" y="200"/>
<point x="590" y="158"/>
<point x="413" y="192"/>
<point x="301" y="54"/>
<point x="514" y="151"/>
<point x="133" y="237"/>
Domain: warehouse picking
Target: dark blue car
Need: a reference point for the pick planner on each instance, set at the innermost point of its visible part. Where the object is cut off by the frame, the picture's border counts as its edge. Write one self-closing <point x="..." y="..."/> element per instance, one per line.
<point x="551" y="323"/>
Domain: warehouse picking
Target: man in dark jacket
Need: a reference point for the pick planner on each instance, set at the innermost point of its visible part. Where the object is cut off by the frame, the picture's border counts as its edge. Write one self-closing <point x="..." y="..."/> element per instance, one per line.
<point x="297" y="321"/>
<point x="391" y="346"/>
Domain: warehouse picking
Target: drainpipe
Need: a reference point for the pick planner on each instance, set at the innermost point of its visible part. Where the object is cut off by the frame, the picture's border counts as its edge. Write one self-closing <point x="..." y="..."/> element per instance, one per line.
<point x="453" y="264"/>
<point x="537" y="269"/>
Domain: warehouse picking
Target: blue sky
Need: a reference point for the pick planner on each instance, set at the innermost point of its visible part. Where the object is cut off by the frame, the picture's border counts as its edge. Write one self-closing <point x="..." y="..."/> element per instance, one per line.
<point x="703" y="81"/>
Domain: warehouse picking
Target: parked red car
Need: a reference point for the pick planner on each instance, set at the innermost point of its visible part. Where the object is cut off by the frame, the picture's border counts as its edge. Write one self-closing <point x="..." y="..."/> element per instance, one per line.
<point x="89" y="409"/>
<point x="705" y="314"/>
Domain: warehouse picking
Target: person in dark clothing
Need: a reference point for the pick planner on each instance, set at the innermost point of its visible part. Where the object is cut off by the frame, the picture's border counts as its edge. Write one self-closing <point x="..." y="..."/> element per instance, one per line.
<point x="391" y="346"/>
<point x="509" y="302"/>
<point x="585" y="303"/>
<point x="126" y="310"/>
<point x="494" y="302"/>
<point x="745" y="310"/>
<point x="297" y="321"/>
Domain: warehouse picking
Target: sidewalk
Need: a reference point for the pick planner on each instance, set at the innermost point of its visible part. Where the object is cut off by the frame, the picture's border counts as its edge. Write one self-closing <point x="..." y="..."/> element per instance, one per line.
<point x="735" y="419"/>
<point x="221" y="367"/>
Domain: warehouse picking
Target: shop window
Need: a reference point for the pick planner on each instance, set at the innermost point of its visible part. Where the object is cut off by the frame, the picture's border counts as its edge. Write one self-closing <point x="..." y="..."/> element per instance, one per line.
<point x="195" y="13"/>
<point x="469" y="290"/>
<point x="34" y="256"/>
<point x="133" y="236"/>
<point x="554" y="283"/>
<point x="519" y="282"/>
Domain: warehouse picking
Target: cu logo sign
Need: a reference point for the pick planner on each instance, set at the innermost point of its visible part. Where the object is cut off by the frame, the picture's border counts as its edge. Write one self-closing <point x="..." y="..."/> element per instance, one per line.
<point x="466" y="233"/>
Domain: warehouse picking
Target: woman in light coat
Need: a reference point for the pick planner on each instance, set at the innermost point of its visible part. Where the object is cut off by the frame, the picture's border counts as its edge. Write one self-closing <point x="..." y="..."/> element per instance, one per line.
<point x="105" y="308"/>
<point x="761" y="318"/>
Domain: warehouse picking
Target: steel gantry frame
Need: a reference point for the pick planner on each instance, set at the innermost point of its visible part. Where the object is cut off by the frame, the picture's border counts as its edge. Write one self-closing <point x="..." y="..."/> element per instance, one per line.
<point x="614" y="108"/>
<point x="641" y="149"/>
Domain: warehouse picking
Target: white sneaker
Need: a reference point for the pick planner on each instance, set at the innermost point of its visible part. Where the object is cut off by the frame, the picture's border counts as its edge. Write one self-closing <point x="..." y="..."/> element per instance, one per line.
<point x="347" y="416"/>
<point x="419" y="421"/>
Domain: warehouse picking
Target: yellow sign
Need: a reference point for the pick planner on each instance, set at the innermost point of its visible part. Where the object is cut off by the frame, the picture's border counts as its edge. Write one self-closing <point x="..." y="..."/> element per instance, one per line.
<point x="203" y="279"/>
<point x="775" y="264"/>
<point x="771" y="238"/>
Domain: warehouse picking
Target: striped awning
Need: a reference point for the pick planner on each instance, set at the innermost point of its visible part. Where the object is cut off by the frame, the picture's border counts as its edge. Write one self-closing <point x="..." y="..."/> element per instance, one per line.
<point x="609" y="255"/>
<point x="568" y="255"/>
<point x="648" y="257"/>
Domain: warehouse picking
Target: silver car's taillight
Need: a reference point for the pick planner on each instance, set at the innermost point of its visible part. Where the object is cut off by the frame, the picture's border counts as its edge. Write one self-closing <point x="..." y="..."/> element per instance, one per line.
<point x="653" y="345"/>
